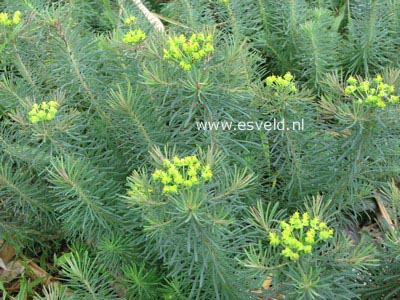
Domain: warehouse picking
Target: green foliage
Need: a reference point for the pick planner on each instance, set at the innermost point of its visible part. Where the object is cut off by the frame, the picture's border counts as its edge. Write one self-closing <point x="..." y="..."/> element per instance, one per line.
<point x="193" y="230"/>
<point x="373" y="36"/>
<point x="84" y="277"/>
<point x="102" y="146"/>
<point x="332" y="269"/>
<point x="141" y="283"/>
<point x="115" y="252"/>
<point x="88" y="202"/>
<point x="309" y="38"/>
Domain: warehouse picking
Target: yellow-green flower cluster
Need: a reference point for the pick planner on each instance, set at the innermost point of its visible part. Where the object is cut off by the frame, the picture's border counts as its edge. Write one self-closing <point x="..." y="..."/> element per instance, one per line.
<point x="134" y="36"/>
<point x="7" y="21"/>
<point x="182" y="172"/>
<point x="139" y="189"/>
<point x="188" y="51"/>
<point x="299" y="235"/>
<point x="46" y="111"/>
<point x="130" y="20"/>
<point x="281" y="84"/>
<point x="375" y="93"/>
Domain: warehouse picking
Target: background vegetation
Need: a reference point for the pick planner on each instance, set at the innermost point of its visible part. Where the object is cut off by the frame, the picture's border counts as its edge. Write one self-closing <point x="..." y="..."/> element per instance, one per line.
<point x="82" y="215"/>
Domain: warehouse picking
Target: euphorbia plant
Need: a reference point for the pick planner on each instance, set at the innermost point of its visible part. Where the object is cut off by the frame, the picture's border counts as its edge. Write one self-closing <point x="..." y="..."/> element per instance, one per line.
<point x="363" y="121"/>
<point x="189" y="208"/>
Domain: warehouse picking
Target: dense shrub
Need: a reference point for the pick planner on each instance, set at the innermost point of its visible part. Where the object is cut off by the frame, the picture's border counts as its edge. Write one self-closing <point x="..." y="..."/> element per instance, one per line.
<point x="108" y="181"/>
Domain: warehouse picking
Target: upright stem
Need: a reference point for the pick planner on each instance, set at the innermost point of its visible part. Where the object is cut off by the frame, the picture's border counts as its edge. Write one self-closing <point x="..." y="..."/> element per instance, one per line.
<point x="155" y="21"/>
<point x="23" y="69"/>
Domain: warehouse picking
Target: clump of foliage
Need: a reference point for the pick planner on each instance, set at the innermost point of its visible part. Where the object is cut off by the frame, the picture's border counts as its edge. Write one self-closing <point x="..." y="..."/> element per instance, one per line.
<point x="108" y="183"/>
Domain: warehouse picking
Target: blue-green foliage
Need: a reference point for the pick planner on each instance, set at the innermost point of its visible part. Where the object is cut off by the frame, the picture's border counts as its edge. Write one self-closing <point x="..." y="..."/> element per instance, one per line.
<point x="85" y="177"/>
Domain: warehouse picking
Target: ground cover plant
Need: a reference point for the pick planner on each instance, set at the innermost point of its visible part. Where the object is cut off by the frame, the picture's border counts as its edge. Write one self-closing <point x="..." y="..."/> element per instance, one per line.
<point x="199" y="149"/>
